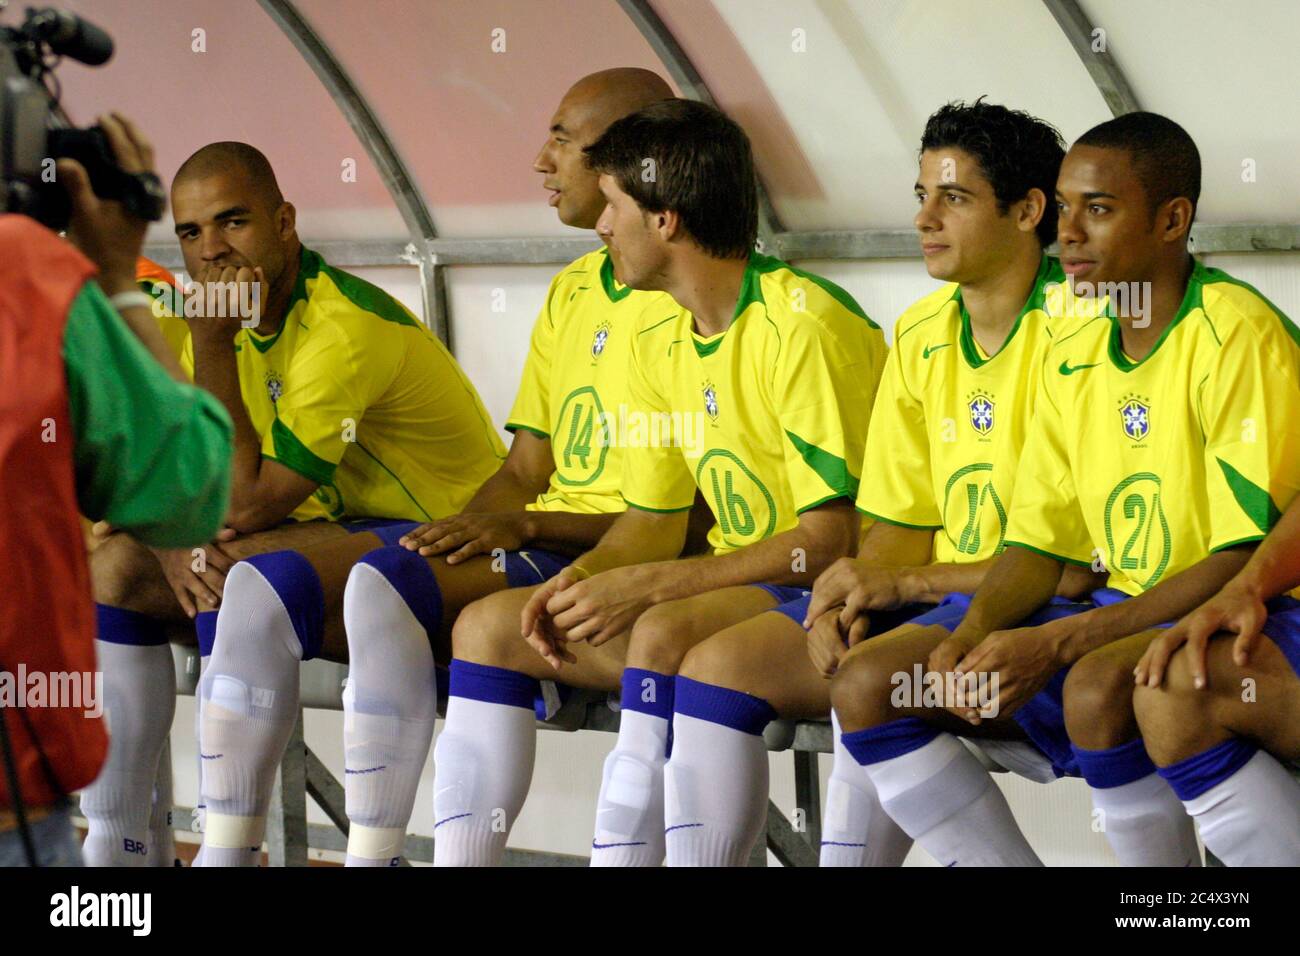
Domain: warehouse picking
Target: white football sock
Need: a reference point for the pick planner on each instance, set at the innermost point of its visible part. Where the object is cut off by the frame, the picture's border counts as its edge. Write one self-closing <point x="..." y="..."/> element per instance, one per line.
<point x="389" y="709"/>
<point x="139" y="702"/>
<point x="856" y="830"/>
<point x="947" y="802"/>
<point x="483" y="765"/>
<point x="716" y="787"/>
<point x="630" y="809"/>
<point x="250" y="706"/>
<point x="1146" y="825"/>
<point x="1253" y="817"/>
<point x="162" y="839"/>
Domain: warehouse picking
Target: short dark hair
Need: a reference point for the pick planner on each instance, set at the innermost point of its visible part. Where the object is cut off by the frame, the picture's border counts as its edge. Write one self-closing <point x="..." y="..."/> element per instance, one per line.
<point x="227" y="156"/>
<point x="1165" y="157"/>
<point x="703" y="171"/>
<point x="1015" y="151"/>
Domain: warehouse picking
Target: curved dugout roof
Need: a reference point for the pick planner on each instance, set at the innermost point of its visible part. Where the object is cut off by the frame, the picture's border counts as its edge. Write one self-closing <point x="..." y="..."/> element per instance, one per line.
<point x="834" y="94"/>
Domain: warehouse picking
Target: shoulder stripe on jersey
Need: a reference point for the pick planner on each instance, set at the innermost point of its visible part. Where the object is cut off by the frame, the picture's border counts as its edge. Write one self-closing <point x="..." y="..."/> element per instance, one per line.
<point x="407" y="491"/>
<point x="368" y="297"/>
<point x="1252" y="499"/>
<point x="1214" y="276"/>
<point x="942" y="305"/>
<point x="1095" y="318"/>
<point x="657" y="324"/>
<point x="293" y="454"/>
<point x="762" y="265"/>
<point x="832" y="469"/>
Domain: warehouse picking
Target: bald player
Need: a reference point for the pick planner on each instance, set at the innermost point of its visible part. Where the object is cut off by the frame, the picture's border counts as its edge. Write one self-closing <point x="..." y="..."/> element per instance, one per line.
<point x="350" y="416"/>
<point x="554" y="496"/>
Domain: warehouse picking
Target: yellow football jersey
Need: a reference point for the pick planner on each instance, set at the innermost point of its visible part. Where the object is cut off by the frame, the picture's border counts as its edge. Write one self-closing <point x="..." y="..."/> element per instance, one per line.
<point x="356" y="394"/>
<point x="574" y="387"/>
<point x="765" y="417"/>
<point x="1149" y="466"/>
<point x="950" y="421"/>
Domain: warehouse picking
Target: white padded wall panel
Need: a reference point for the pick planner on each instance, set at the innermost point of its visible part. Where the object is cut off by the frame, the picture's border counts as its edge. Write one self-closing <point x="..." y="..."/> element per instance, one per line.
<point x="493" y="309"/>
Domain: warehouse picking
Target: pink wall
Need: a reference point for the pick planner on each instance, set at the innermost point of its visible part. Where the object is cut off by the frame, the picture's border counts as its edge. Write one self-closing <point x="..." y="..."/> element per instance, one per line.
<point x="466" y="120"/>
<point x="250" y="85"/>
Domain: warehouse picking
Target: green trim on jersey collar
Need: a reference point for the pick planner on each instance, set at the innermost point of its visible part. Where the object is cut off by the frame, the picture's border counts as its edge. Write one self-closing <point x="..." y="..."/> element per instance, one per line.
<point x="309" y="265"/>
<point x="1049" y="269"/>
<point x="709" y="346"/>
<point x="1191" y="301"/>
<point x="751" y="292"/>
<point x="609" y="283"/>
<point x="763" y="264"/>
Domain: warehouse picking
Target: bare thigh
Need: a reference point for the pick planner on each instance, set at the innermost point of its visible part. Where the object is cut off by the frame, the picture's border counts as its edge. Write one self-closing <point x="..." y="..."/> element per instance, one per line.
<point x="663" y="635"/>
<point x="488" y="631"/>
<point x="126" y="574"/>
<point x="862" y="690"/>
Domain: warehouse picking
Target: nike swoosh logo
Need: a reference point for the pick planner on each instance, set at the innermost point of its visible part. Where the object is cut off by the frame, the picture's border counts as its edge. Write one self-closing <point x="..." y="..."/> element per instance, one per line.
<point x="683" y="826"/>
<point x="1068" y="369"/>
<point x="449" y="819"/>
<point x="929" y="349"/>
<point x="536" y="569"/>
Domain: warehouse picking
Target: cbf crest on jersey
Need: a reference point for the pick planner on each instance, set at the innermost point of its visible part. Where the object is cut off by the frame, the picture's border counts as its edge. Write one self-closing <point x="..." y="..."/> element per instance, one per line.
<point x="1135" y="416"/>
<point x="274" y="386"/>
<point x="980" y="407"/>
<point x="711" y="401"/>
<point x="600" y="340"/>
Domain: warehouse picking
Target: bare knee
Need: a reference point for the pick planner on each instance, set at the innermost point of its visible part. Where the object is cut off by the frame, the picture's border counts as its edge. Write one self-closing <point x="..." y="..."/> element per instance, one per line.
<point x="661" y="638"/>
<point x="121" y="572"/>
<point x="714" y="661"/>
<point x="861" y="691"/>
<point x="1098" y="701"/>
<point x="487" y="631"/>
<point x="1177" y="720"/>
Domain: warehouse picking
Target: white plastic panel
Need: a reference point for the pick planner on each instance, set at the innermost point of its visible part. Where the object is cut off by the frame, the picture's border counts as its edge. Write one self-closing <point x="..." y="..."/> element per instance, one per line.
<point x="493" y="309"/>
<point x="835" y="93"/>
<point x="1227" y="74"/>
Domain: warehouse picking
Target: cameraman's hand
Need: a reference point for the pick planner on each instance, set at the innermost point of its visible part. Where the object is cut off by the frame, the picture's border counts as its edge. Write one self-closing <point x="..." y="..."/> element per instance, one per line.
<point x="109" y="236"/>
